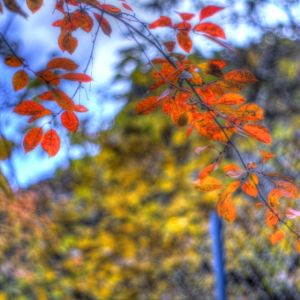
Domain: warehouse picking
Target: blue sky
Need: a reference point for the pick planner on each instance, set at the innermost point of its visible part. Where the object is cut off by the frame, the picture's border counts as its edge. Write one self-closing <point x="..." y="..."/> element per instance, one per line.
<point x="34" y="35"/>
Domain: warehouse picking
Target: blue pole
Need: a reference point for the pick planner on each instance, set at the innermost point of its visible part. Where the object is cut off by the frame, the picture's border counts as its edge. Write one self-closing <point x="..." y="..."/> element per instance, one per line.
<point x="218" y="255"/>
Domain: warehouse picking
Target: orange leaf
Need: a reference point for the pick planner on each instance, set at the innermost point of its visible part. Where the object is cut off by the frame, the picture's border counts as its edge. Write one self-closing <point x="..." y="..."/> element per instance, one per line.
<point x="63" y="100"/>
<point x="147" y="106"/>
<point x="258" y="132"/>
<point x="51" y="142"/>
<point x="258" y="204"/>
<point x="80" y="108"/>
<point x="69" y="121"/>
<point x="241" y="76"/>
<point x="127" y="6"/>
<point x="184" y="41"/>
<point x="211" y="29"/>
<point x="271" y="174"/>
<point x="206" y="172"/>
<point x="185" y="16"/>
<point x="266" y="155"/>
<point x="250" y="189"/>
<point x="253" y="178"/>
<point x="297" y="246"/>
<point x="34" y="5"/>
<point x="231" y="99"/>
<point x="170" y="45"/>
<point x="249" y="112"/>
<point x="208" y="184"/>
<point x="209" y="11"/>
<point x="110" y="8"/>
<point x="274" y="197"/>
<point x="32" y="139"/>
<point x="251" y="165"/>
<point x="48" y="77"/>
<point x="276" y="237"/>
<point x="13" y="61"/>
<point x="62" y="63"/>
<point x="28" y="108"/>
<point x="20" y="80"/>
<point x="85" y="22"/>
<point x="163" y="21"/>
<point x="40" y="114"/>
<point x="105" y="26"/>
<point x="228" y="211"/>
<point x="271" y="219"/>
<point x="70" y="43"/>
<point x="217" y="62"/>
<point x="80" y="77"/>
<point x="287" y="189"/>
<point x="231" y="167"/>
<point x="210" y="68"/>
<point x="46" y="96"/>
<point x="233" y="186"/>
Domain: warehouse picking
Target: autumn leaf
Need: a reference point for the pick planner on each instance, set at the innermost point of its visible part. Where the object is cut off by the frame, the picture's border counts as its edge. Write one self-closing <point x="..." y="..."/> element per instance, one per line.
<point x="266" y="155"/>
<point x="13" y="6"/>
<point x="163" y="21"/>
<point x="85" y="22"/>
<point x="209" y="11"/>
<point x="51" y="142"/>
<point x="233" y="186"/>
<point x="276" y="237"/>
<point x="80" y="108"/>
<point x="13" y="61"/>
<point x="110" y="8"/>
<point x="32" y="139"/>
<point x="46" y="96"/>
<point x="273" y="174"/>
<point x="62" y="63"/>
<point x="274" y="197"/>
<point x="69" y="43"/>
<point x="28" y="108"/>
<point x="206" y="172"/>
<point x="185" y="16"/>
<point x="48" y="77"/>
<point x="211" y="29"/>
<point x="105" y="26"/>
<point x="250" y="189"/>
<point x="297" y="246"/>
<point x="231" y="99"/>
<point x="70" y="121"/>
<point x="271" y="219"/>
<point x="34" y="5"/>
<point x="241" y="76"/>
<point x="287" y="189"/>
<point x="258" y="132"/>
<point x="63" y="100"/>
<point x="170" y="45"/>
<point x="127" y="6"/>
<point x="20" y="80"/>
<point x="40" y="114"/>
<point x="231" y="167"/>
<point x="208" y="184"/>
<point x="80" y="77"/>
<point x="147" y="106"/>
<point x="184" y="41"/>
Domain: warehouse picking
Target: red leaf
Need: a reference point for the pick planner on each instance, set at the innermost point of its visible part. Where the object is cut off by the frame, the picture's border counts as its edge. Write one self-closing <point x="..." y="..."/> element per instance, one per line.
<point x="63" y="100"/>
<point x="32" y="139"/>
<point x="70" y="121"/>
<point x="40" y="114"/>
<point x="80" y="108"/>
<point x="70" y="43"/>
<point x="184" y="41"/>
<point x="48" y="77"/>
<point x="161" y="22"/>
<point x="127" y="6"/>
<point x="211" y="29"/>
<point x="51" y="142"/>
<point x="20" y="80"/>
<point x="209" y="11"/>
<point x="110" y="8"/>
<point x="185" y="16"/>
<point x="105" y="26"/>
<point x="85" y="22"/>
<point x="28" y="108"/>
<point x="147" y="106"/>
<point x="287" y="189"/>
<point x="183" y="26"/>
<point x="170" y="45"/>
<point x="80" y="77"/>
<point x="46" y="96"/>
<point x="62" y="63"/>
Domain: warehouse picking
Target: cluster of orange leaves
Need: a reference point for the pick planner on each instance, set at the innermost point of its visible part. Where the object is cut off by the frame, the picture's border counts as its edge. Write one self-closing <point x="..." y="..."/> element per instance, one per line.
<point x="214" y="109"/>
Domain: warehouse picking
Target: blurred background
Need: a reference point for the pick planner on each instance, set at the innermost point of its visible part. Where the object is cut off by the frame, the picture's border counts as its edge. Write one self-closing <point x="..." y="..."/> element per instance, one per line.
<point x="114" y="215"/>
